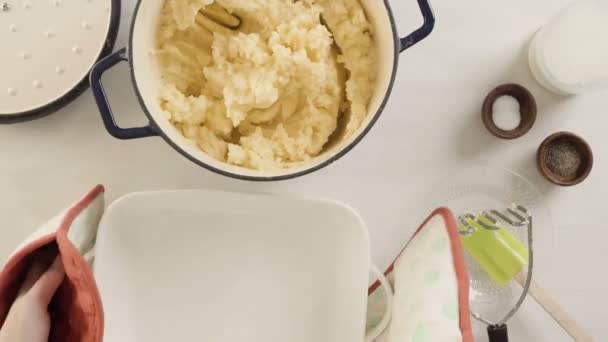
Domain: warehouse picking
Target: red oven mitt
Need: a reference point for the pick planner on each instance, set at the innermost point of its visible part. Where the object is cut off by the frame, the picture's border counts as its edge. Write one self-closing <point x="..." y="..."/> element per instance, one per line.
<point x="76" y="310"/>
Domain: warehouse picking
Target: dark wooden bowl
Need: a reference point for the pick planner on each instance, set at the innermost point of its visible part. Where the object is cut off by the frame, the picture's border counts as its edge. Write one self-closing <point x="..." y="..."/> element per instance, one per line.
<point x="527" y="110"/>
<point x="580" y="144"/>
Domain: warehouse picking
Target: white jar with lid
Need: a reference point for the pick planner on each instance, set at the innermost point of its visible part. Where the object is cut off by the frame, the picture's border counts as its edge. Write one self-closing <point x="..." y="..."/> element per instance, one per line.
<point x="569" y="55"/>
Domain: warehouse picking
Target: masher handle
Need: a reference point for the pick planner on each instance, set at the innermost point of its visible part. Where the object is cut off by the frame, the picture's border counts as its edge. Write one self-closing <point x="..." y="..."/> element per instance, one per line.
<point x="498" y="333"/>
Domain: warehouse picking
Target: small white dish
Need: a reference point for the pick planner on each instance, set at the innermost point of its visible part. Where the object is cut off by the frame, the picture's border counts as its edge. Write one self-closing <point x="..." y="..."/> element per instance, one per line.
<point x="228" y="267"/>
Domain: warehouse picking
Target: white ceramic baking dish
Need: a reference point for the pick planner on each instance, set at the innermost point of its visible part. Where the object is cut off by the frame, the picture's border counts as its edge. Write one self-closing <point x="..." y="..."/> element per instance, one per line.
<point x="230" y="267"/>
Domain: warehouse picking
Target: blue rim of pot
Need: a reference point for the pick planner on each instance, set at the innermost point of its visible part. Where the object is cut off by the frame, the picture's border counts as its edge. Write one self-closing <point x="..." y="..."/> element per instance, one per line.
<point x="152" y="129"/>
<point x="81" y="86"/>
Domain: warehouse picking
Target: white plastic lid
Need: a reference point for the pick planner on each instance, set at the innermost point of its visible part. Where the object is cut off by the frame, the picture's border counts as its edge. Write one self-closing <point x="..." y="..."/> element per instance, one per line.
<point x="48" y="49"/>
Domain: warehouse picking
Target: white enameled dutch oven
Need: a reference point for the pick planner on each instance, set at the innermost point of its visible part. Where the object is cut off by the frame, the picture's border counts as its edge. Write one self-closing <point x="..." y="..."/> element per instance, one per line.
<point x="145" y="75"/>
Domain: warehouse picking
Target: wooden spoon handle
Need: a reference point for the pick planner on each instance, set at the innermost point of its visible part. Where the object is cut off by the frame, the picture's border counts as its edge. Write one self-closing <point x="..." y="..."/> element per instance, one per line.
<point x="555" y="310"/>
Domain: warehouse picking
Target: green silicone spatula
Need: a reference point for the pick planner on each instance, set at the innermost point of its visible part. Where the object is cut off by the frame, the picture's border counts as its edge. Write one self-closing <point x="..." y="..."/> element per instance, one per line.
<point x="498" y="252"/>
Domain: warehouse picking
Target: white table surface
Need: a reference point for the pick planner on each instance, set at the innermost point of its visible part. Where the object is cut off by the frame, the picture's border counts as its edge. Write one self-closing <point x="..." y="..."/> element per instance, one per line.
<point x="431" y="125"/>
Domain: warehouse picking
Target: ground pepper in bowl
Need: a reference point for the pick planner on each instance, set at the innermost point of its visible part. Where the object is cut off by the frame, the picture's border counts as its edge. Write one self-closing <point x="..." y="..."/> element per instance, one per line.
<point x="565" y="159"/>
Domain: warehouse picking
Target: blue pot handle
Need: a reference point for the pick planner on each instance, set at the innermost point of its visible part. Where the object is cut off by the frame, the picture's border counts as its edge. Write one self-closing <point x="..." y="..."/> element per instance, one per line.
<point x="424" y="30"/>
<point x="104" y="106"/>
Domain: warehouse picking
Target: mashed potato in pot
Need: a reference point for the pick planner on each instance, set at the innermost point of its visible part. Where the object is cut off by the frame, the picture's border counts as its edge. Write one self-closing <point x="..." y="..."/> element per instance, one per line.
<point x="270" y="93"/>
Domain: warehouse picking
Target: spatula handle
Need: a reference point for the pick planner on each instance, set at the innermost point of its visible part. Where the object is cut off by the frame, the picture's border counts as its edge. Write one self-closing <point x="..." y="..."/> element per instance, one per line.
<point x="555" y="310"/>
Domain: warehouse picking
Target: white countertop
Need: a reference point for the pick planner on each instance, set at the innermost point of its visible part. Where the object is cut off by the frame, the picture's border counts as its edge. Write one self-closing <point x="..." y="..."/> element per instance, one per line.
<point x="431" y="125"/>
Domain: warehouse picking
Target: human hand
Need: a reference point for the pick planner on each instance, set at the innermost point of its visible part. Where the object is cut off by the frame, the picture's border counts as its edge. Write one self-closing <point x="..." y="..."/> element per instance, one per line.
<point x="28" y="319"/>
